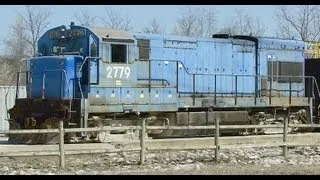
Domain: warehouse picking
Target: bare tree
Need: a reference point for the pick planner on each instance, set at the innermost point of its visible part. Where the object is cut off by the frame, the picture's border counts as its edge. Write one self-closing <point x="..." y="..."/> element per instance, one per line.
<point x="16" y="43"/>
<point x="153" y="27"/>
<point x="186" y="23"/>
<point x="243" y="24"/>
<point x="16" y="48"/>
<point x="300" y="22"/>
<point x="230" y="29"/>
<point x="84" y="18"/>
<point x="127" y="23"/>
<point x="195" y="22"/>
<point x="116" y="19"/>
<point x="5" y="73"/>
<point x="35" y="20"/>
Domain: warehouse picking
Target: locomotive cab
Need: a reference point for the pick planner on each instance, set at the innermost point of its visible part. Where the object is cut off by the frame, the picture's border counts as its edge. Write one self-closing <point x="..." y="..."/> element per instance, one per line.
<point x="63" y="79"/>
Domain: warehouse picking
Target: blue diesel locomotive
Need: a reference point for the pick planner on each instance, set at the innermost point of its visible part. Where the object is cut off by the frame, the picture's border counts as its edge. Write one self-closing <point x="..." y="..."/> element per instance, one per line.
<point x="92" y="77"/>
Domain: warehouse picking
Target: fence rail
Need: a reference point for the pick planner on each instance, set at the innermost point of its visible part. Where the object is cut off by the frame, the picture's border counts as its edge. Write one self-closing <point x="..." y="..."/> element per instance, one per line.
<point x="143" y="129"/>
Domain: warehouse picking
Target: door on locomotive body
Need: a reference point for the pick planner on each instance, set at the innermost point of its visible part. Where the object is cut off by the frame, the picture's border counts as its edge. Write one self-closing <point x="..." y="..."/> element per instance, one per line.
<point x="184" y="51"/>
<point x="237" y="64"/>
<point x="218" y="68"/>
<point x="201" y="67"/>
<point x="143" y="52"/>
<point x="81" y="82"/>
<point x="190" y="57"/>
<point x="249" y="66"/>
<point x="213" y="64"/>
<point x="226" y="60"/>
<point x="86" y="71"/>
<point x="117" y="72"/>
<point x="244" y="66"/>
<point x="180" y="56"/>
<point x="93" y="62"/>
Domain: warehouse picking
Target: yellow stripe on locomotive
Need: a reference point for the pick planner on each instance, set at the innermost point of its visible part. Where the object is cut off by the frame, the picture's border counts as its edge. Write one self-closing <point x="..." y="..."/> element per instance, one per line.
<point x="312" y="50"/>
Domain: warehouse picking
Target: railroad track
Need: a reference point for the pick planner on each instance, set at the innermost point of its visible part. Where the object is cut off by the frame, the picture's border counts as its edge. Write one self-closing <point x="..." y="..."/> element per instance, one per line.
<point x="305" y="139"/>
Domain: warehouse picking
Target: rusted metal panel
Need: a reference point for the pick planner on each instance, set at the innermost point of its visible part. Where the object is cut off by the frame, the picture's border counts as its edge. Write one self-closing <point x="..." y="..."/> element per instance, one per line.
<point x="291" y="69"/>
<point x="197" y="118"/>
<point x="229" y="117"/>
<point x="8" y="102"/>
<point x="182" y="118"/>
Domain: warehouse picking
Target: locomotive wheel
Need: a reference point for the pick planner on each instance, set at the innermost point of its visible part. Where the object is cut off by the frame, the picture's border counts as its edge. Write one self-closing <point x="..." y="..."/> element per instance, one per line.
<point x="45" y="138"/>
<point x="48" y="138"/>
<point x="15" y="138"/>
<point x="92" y="124"/>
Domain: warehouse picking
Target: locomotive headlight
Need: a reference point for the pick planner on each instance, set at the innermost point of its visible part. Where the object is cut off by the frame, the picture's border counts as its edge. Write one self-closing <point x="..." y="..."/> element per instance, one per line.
<point x="62" y="37"/>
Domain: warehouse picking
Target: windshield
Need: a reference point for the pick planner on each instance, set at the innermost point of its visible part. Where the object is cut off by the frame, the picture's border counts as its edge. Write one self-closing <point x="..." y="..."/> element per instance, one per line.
<point x="68" y="46"/>
<point x="62" y="41"/>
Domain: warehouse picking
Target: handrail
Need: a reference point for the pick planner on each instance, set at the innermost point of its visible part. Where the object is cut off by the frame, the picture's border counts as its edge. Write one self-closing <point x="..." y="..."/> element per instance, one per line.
<point x="317" y="87"/>
<point x="80" y="69"/>
<point x="256" y="91"/>
<point x="18" y="81"/>
<point x="79" y="83"/>
<point x="163" y="80"/>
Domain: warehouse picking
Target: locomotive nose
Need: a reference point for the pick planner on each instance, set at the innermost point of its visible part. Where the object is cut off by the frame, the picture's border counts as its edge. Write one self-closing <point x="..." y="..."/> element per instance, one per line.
<point x="51" y="77"/>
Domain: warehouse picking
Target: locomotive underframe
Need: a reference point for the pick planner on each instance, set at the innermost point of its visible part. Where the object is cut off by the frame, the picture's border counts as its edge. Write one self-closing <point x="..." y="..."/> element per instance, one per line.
<point x="206" y="116"/>
<point x="45" y="113"/>
<point x="42" y="114"/>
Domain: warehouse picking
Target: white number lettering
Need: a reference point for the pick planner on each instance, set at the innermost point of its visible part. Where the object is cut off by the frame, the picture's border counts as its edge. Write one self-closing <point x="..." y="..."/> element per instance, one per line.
<point x="109" y="71"/>
<point x="121" y="71"/>
<point x="127" y="71"/>
<point x="115" y="69"/>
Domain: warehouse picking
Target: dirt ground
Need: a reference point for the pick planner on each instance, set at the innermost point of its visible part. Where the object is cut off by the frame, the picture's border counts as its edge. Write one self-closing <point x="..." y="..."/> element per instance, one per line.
<point x="248" y="161"/>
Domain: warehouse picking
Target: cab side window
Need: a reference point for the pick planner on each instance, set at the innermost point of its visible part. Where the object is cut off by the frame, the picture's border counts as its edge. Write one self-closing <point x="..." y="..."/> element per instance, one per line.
<point x="119" y="53"/>
<point x="93" y="63"/>
<point x="144" y="48"/>
<point x="93" y="47"/>
<point x="94" y="71"/>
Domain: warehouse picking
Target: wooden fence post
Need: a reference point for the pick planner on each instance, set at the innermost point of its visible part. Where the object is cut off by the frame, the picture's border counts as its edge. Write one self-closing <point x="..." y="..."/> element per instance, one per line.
<point x="285" y="131"/>
<point x="61" y="145"/>
<point x="142" y="142"/>
<point x="216" y="138"/>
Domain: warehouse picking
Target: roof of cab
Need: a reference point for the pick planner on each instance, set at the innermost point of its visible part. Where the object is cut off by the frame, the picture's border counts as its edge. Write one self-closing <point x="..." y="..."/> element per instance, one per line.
<point x="111" y="33"/>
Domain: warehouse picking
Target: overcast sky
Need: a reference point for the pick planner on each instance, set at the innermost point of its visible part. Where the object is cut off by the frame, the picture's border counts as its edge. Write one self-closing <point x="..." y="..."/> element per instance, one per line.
<point x="141" y="14"/>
